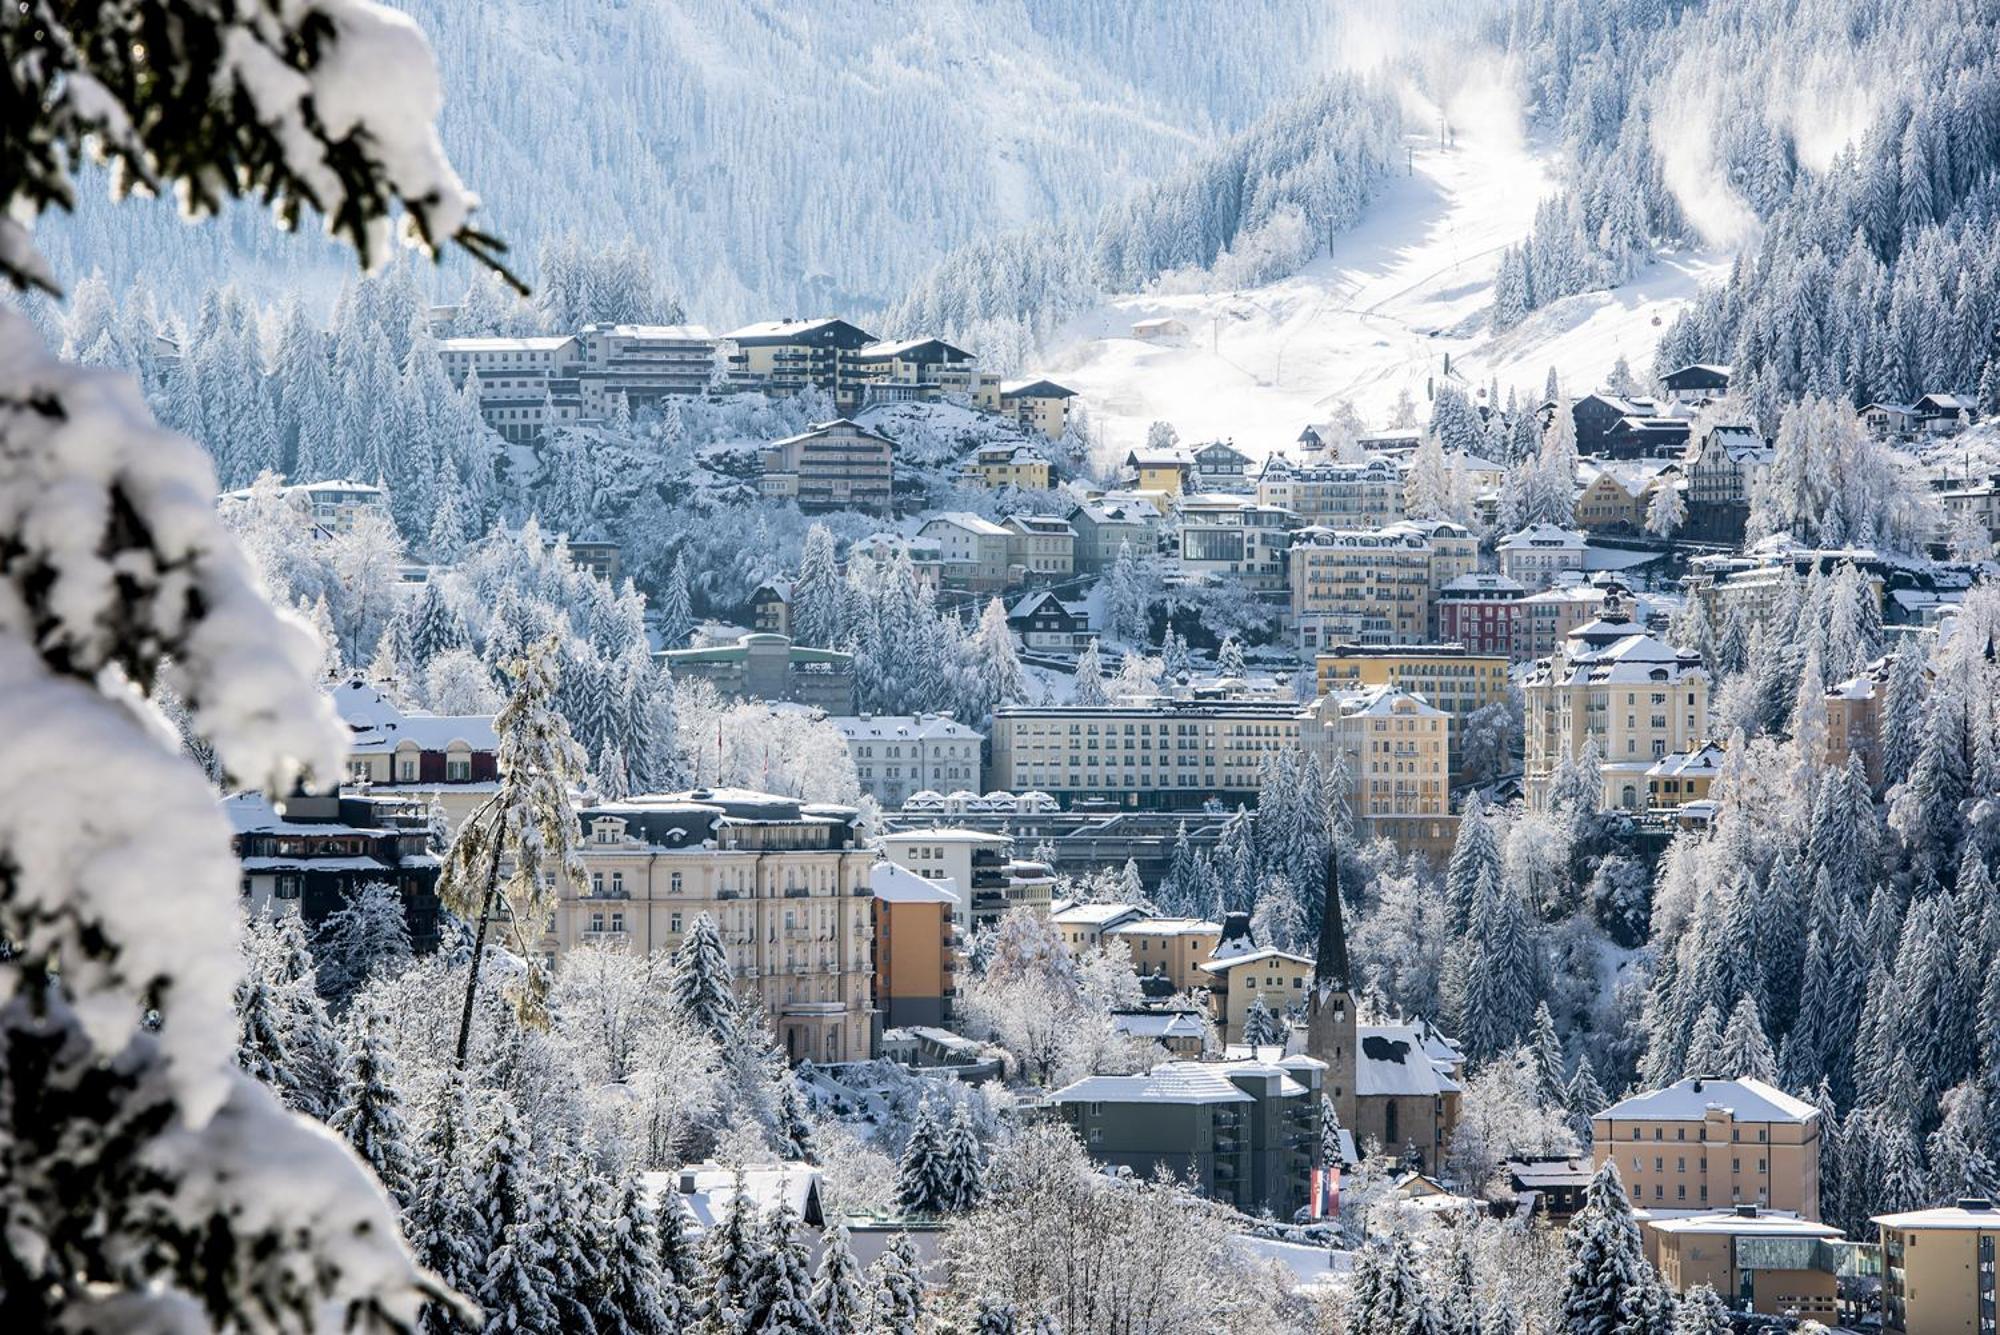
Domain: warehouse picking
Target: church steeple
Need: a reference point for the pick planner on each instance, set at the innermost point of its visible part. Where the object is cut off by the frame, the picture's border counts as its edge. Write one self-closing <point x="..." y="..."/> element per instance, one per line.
<point x="1330" y="968"/>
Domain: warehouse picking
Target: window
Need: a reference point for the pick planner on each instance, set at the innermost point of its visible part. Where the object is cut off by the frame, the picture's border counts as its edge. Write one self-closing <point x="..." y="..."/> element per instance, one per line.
<point x="457" y="769"/>
<point x="674" y="923"/>
<point x="597" y="883"/>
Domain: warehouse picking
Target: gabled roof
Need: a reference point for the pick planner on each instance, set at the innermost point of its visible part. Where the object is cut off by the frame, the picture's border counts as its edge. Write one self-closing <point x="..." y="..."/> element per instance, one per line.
<point x="1034" y="389"/>
<point x="1094" y="915"/>
<point x="1397" y="1059"/>
<point x="1258" y="956"/>
<point x="1158" y="1024"/>
<point x="1042" y="601"/>
<point x="1542" y="537"/>
<point x="783" y="331"/>
<point x="904" y="347"/>
<point x="1689" y="1101"/>
<point x="968" y="521"/>
<point x="819" y="429"/>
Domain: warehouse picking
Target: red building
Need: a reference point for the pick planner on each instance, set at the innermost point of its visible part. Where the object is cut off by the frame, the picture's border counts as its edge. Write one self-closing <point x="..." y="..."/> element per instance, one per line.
<point x="1482" y="612"/>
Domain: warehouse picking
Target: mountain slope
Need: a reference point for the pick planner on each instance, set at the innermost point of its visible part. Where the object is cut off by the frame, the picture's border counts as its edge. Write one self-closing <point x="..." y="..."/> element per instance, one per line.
<point x="782" y="158"/>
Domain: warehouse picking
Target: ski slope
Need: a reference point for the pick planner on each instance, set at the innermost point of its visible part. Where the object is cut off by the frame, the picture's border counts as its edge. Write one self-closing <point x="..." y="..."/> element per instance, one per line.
<point x="1405" y="289"/>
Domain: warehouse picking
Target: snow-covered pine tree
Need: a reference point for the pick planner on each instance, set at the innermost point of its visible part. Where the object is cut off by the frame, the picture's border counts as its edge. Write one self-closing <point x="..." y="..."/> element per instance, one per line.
<point x="794" y="1130"/>
<point x="963" y="1169"/>
<point x="1261" y="1025"/>
<point x="632" y="1297"/>
<point x="1476" y="853"/>
<point x="516" y="1291"/>
<point x="920" y="1180"/>
<point x="1229" y="658"/>
<point x="370" y="1115"/>
<point x="995" y="1317"/>
<point x="443" y="1224"/>
<point x="684" y="1282"/>
<point x="1702" y="1313"/>
<point x="1608" y="1273"/>
<point x="700" y="980"/>
<point x="1551" y="1081"/>
<point x="676" y="617"/>
<point x="1329" y="1151"/>
<point x="1090" y="676"/>
<point x="896" y="1302"/>
<point x="732" y="1256"/>
<point x="260" y="1042"/>
<point x="1745" y="1052"/>
<point x="367" y="935"/>
<point x="781" y="1284"/>
<point x="839" y="1301"/>
<point x="312" y="1042"/>
<point x="1585" y="1097"/>
<point x="816" y="593"/>
<point x="526" y="830"/>
<point x="994" y="665"/>
<point x="1498" y="971"/>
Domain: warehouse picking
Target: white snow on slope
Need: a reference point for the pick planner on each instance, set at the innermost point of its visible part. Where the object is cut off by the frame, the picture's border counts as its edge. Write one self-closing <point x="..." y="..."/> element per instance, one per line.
<point x="1403" y="290"/>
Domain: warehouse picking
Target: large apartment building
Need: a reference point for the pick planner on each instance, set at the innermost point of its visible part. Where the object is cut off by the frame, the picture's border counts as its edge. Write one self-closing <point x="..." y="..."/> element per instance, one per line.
<point x="1246" y="1133"/>
<point x="1448" y="676"/>
<point x="1375" y="586"/>
<point x="530" y="385"/>
<point x="974" y="550"/>
<point x="786" y="883"/>
<point x="1348" y="497"/>
<point x="979" y="867"/>
<point x="898" y="755"/>
<point x="1396" y="751"/>
<point x="1157" y="752"/>
<point x="1232" y="537"/>
<point x="915" y="370"/>
<point x="915" y="974"/>
<point x="1938" y="1269"/>
<point x="837" y="465"/>
<point x="1540" y="554"/>
<point x="1702" y="1144"/>
<point x="1639" y="698"/>
<point x="1758" y="1260"/>
<point x="779" y="357"/>
<point x="1038" y="405"/>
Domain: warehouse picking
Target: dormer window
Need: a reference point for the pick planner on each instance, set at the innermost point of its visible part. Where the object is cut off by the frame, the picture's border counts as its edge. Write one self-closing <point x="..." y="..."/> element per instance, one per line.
<point x="607" y="830"/>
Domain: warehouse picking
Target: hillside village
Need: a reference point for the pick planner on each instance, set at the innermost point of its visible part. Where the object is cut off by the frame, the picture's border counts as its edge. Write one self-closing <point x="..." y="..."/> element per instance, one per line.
<point x="536" y="814"/>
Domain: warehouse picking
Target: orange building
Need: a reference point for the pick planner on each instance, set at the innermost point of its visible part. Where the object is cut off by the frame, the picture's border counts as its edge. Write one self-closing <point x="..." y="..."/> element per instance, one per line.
<point x="915" y="959"/>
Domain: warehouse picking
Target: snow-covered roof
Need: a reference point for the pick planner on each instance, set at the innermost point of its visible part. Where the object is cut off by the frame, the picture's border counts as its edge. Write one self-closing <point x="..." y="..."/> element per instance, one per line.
<point x="1690" y="1100"/>
<point x="705" y="1190"/>
<point x="899" y="885"/>
<point x="1398" y="1059"/>
<point x="966" y="520"/>
<point x="946" y="834"/>
<point x="1053" y="525"/>
<point x="666" y="333"/>
<point x="899" y="727"/>
<point x="1158" y="1024"/>
<point x="1704" y="761"/>
<point x="539" y="343"/>
<point x="378" y="724"/>
<point x="764" y="329"/>
<point x="1172" y="1082"/>
<point x="1943" y="1216"/>
<point x="1093" y="915"/>
<point x="1854" y="688"/>
<point x="1760" y="1223"/>
<point x="1034" y="389"/>
<point x="1542" y="537"/>
<point x="1224" y="963"/>
<point x="1166" y="927"/>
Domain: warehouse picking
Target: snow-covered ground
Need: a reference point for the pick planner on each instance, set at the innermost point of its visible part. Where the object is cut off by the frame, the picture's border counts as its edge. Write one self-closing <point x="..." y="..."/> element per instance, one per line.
<point x="1405" y="289"/>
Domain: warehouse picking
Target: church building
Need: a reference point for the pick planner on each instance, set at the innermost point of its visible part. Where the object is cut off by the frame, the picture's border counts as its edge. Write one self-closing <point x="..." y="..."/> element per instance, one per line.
<point x="1393" y="1085"/>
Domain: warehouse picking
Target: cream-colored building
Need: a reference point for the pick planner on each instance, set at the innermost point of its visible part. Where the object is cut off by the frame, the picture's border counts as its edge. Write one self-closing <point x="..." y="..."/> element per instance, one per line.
<point x="1396" y="751"/>
<point x="1082" y="926"/>
<point x="897" y="755"/>
<point x="1938" y="1269"/>
<point x="1040" y="547"/>
<point x="1347" y="497"/>
<point x="1701" y="1144"/>
<point x="1155" y="752"/>
<point x="1444" y="675"/>
<point x="974" y="550"/>
<point x="916" y="370"/>
<point x="1236" y="981"/>
<point x="1758" y="1260"/>
<point x="779" y="357"/>
<point x="1173" y="948"/>
<point x="1232" y="537"/>
<point x="1038" y="405"/>
<point x="1008" y="465"/>
<point x="1375" y="586"/>
<point x="1642" y="700"/>
<point x="1540" y="554"/>
<point x="838" y="465"/>
<point x="786" y="883"/>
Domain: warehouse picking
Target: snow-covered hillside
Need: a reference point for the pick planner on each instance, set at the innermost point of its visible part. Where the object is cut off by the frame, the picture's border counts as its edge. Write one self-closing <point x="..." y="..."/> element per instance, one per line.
<point x="1403" y="291"/>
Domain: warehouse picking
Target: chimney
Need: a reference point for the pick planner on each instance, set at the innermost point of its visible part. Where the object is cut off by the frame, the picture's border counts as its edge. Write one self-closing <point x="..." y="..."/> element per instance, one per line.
<point x="1746" y="1212"/>
<point x="1697" y="1084"/>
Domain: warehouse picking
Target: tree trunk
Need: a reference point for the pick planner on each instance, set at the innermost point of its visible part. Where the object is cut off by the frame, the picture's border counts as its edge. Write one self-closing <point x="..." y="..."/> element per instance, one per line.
<point x="478" y="958"/>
